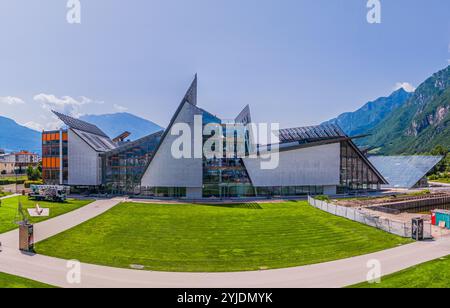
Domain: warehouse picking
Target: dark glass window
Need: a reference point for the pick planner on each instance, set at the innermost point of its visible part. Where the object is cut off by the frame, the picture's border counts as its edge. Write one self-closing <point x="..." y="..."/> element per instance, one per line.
<point x="356" y="174"/>
<point x="123" y="167"/>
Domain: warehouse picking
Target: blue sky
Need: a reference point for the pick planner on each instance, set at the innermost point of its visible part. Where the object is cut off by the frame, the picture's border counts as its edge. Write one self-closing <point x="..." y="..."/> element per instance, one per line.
<point x="296" y="62"/>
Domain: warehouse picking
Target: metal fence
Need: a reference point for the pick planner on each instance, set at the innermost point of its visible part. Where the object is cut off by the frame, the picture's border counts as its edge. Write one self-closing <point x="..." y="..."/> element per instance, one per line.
<point x="403" y="229"/>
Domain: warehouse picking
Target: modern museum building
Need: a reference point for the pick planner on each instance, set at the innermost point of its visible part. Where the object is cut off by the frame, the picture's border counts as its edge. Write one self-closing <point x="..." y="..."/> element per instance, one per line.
<point x="311" y="160"/>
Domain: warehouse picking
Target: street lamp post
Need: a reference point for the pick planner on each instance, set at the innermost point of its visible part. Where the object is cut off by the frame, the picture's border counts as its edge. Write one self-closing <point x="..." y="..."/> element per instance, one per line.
<point x="15" y="173"/>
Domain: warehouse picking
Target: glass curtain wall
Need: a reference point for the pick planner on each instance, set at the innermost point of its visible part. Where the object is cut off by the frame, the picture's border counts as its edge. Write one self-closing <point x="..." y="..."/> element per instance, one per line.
<point x="123" y="167"/>
<point x="355" y="172"/>
<point x="227" y="177"/>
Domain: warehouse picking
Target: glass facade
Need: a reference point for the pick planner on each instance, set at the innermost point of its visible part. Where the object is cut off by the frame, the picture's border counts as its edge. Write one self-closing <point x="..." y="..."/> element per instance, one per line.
<point x="286" y="191"/>
<point x="52" y="143"/>
<point x="227" y="177"/>
<point x="164" y="192"/>
<point x="123" y="167"/>
<point x="356" y="174"/>
<point x="405" y="171"/>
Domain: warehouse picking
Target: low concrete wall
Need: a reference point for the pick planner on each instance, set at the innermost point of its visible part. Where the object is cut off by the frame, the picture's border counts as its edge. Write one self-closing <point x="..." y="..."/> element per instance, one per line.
<point x="419" y="204"/>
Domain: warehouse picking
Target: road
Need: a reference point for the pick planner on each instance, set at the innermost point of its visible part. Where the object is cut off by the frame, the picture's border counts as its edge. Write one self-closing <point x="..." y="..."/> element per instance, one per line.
<point x="335" y="274"/>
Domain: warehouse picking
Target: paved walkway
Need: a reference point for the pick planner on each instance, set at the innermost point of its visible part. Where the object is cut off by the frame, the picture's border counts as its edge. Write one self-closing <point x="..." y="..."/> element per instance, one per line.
<point x="329" y="275"/>
<point x="440" y="184"/>
<point x="332" y="274"/>
<point x="10" y="196"/>
<point x="51" y="227"/>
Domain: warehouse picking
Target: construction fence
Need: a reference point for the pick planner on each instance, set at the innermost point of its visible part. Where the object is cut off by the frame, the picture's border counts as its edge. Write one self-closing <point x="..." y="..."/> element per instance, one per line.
<point x="403" y="229"/>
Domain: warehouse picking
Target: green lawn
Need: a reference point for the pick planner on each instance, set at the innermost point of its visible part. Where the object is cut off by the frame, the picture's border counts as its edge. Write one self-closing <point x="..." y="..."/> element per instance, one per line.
<point x="443" y="180"/>
<point x="434" y="274"/>
<point x="8" y="210"/>
<point x="4" y="193"/>
<point x="194" y="238"/>
<point x="14" y="282"/>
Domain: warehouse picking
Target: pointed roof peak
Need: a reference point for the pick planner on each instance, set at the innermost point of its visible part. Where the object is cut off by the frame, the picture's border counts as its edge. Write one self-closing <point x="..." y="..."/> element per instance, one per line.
<point x="191" y="94"/>
<point x="244" y="116"/>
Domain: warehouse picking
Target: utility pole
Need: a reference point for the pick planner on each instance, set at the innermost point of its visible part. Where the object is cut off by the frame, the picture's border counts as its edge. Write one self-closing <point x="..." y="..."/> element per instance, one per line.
<point x="15" y="172"/>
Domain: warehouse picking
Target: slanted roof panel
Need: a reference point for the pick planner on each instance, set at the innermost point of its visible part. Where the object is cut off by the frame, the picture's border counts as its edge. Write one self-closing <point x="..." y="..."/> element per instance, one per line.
<point x="80" y="125"/>
<point x="98" y="143"/>
<point x="129" y="145"/>
<point x="404" y="171"/>
<point x="311" y="133"/>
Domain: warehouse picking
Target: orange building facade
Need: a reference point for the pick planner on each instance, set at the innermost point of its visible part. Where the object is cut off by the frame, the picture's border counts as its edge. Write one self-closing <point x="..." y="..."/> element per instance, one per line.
<point x="54" y="157"/>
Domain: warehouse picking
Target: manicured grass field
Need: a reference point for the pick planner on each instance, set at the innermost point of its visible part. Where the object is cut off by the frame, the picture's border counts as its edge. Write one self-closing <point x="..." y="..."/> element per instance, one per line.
<point x="195" y="238"/>
<point x="8" y="210"/>
<point x="434" y="274"/>
<point x="14" y="282"/>
<point x="443" y="180"/>
<point x="4" y="193"/>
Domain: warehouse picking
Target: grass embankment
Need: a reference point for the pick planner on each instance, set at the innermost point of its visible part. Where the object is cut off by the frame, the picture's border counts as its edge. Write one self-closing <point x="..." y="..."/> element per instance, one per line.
<point x="9" y="214"/>
<point x="195" y="238"/>
<point x="442" y="180"/>
<point x="4" y="193"/>
<point x="14" y="282"/>
<point x="434" y="274"/>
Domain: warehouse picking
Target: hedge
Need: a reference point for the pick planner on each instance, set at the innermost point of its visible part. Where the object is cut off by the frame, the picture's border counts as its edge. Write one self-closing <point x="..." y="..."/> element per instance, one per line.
<point x="10" y="181"/>
<point x="29" y="183"/>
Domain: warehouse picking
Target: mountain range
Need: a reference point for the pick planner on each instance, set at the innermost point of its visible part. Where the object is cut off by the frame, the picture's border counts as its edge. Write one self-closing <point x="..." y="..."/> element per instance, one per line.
<point x="117" y="123"/>
<point x="401" y="123"/>
<point x="405" y="123"/>
<point x="15" y="137"/>
<point x="371" y="114"/>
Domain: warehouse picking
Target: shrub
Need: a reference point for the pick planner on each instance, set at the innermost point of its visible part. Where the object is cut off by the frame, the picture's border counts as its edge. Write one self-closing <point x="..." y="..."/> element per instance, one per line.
<point x="34" y="174"/>
<point x="322" y="198"/>
<point x="10" y="181"/>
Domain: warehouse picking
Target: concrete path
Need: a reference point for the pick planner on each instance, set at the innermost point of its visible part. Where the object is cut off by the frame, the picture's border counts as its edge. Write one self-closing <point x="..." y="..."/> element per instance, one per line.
<point x="437" y="184"/>
<point x="10" y="196"/>
<point x="330" y="275"/>
<point x="51" y="227"/>
<point x="13" y="188"/>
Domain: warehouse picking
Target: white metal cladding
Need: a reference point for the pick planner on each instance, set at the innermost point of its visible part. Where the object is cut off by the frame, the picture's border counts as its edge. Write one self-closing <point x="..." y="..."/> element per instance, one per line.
<point x="313" y="166"/>
<point x="166" y="171"/>
<point x="84" y="162"/>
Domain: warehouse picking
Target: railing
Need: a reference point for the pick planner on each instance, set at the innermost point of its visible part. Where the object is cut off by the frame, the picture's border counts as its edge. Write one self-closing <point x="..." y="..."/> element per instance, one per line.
<point x="403" y="229"/>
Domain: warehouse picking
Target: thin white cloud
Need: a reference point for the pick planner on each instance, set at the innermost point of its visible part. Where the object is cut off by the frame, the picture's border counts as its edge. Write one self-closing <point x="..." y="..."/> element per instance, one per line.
<point x="34" y="125"/>
<point x="405" y="85"/>
<point x="65" y="104"/>
<point x="11" y="100"/>
<point x="119" y="108"/>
